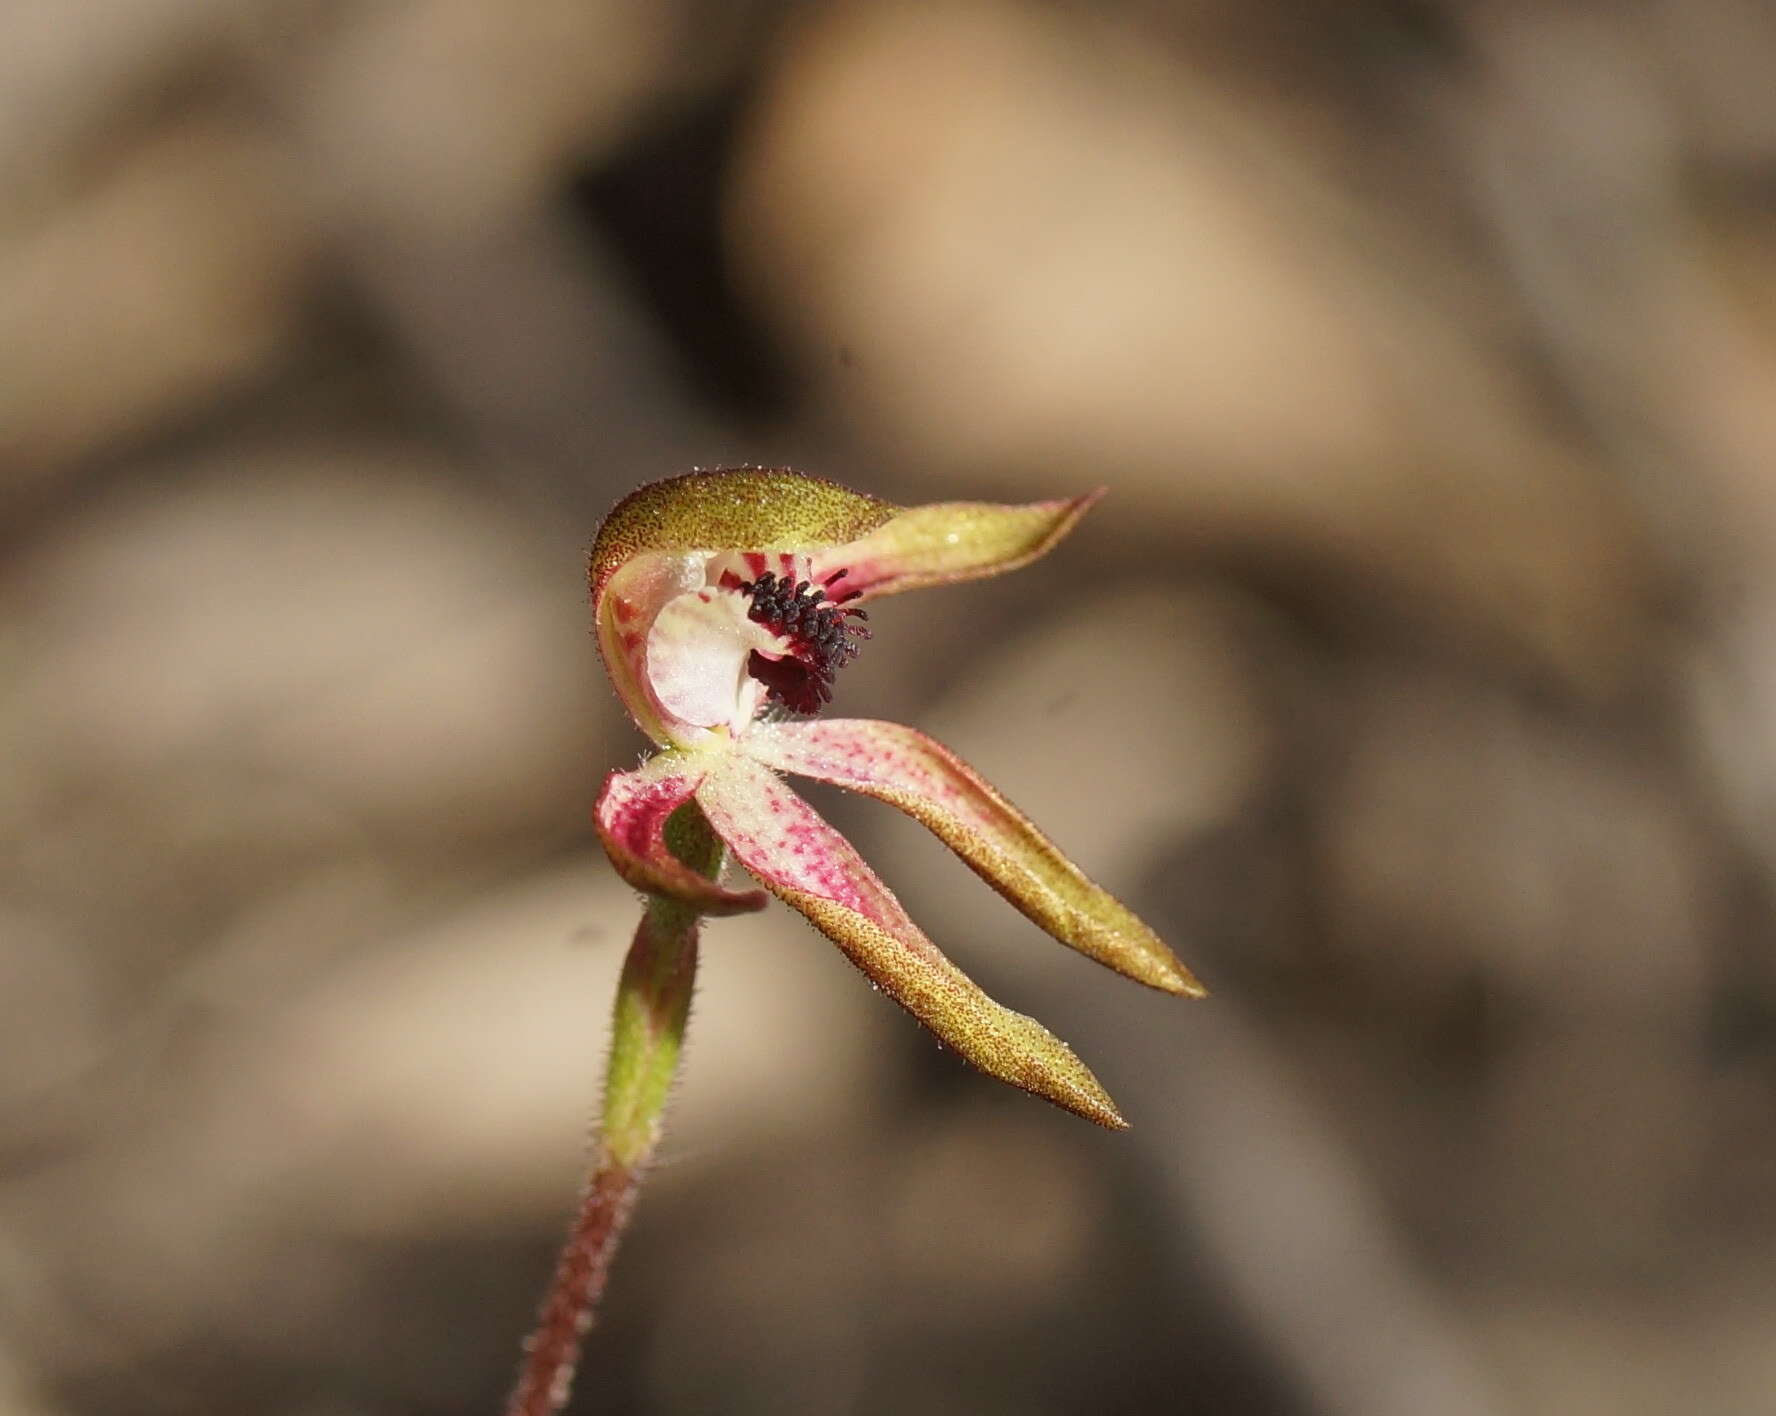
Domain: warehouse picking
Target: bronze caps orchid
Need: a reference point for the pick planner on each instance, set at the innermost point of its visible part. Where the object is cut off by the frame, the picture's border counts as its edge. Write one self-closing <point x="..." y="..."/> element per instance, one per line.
<point x="726" y="602"/>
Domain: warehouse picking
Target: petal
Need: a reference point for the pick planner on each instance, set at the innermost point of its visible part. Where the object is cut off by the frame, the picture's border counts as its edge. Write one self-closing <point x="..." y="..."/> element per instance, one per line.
<point x="810" y="866"/>
<point x="697" y="653"/>
<point x="625" y="612"/>
<point x="631" y="817"/>
<point x="907" y="769"/>
<point x="949" y="541"/>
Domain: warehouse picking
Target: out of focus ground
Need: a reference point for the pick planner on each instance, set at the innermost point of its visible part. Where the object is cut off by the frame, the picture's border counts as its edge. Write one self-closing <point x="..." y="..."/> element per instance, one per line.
<point x="1417" y="679"/>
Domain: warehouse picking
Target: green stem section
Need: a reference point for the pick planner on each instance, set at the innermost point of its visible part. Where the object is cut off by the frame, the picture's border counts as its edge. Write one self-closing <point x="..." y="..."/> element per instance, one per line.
<point x="647" y="1036"/>
<point x="647" y="1031"/>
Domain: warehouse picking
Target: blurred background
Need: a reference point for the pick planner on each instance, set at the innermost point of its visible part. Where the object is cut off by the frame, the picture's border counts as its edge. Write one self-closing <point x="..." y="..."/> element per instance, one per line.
<point x="1417" y="680"/>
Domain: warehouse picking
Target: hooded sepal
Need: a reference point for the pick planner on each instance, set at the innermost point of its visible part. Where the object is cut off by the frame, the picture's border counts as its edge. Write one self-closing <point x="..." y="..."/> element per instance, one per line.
<point x="733" y="509"/>
<point x="907" y="769"/>
<point x="812" y="868"/>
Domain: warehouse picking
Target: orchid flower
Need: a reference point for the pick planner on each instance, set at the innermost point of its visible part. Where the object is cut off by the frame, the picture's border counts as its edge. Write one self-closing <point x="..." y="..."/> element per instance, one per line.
<point x="726" y="603"/>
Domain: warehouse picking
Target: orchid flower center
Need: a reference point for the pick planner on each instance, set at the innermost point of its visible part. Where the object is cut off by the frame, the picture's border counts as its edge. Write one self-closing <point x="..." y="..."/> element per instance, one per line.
<point x="734" y="636"/>
<point x="821" y="636"/>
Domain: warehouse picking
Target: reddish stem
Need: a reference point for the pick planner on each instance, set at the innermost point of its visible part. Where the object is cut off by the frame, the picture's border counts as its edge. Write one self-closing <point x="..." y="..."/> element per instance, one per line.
<point x="647" y="1038"/>
<point x="552" y="1352"/>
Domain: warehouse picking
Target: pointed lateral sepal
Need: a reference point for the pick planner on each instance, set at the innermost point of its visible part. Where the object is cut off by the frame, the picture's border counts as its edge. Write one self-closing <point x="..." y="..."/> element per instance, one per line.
<point x="631" y="817"/>
<point x="946" y="542"/>
<point x="812" y="868"/>
<point x="907" y="769"/>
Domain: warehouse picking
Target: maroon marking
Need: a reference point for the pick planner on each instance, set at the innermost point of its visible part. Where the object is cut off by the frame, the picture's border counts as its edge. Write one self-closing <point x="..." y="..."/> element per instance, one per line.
<point x="822" y="636"/>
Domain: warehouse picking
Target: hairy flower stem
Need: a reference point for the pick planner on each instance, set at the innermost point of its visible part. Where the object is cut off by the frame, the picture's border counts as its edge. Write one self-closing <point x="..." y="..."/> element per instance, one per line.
<point x="647" y="1035"/>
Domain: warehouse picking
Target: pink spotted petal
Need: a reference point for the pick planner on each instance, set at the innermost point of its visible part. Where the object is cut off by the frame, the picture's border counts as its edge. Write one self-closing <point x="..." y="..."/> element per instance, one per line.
<point x="945" y="542"/>
<point x="811" y="867"/>
<point x="907" y="769"/>
<point x="631" y="817"/>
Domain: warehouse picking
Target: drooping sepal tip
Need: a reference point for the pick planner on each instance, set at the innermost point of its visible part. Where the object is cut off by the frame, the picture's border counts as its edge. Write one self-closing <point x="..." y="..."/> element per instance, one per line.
<point x="1008" y="1046"/>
